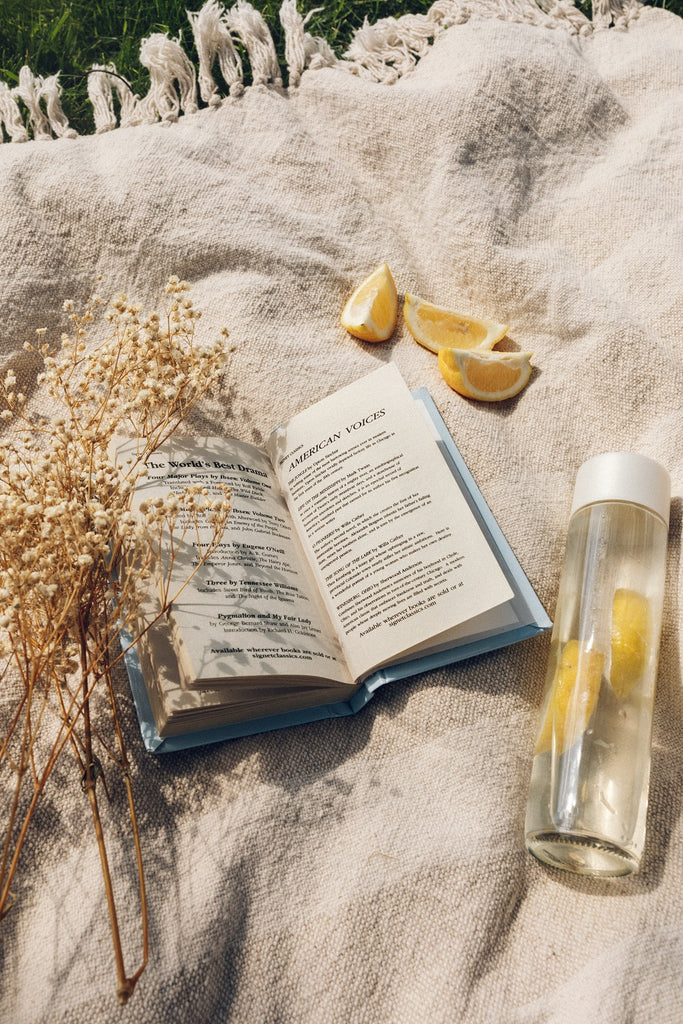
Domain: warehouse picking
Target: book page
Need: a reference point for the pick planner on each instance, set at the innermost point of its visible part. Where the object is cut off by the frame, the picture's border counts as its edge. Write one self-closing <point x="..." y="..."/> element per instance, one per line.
<point x="400" y="556"/>
<point x="253" y="608"/>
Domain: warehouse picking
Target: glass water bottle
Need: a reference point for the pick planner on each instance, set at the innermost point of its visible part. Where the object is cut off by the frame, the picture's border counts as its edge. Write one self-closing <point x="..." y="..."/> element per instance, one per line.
<point x="588" y="795"/>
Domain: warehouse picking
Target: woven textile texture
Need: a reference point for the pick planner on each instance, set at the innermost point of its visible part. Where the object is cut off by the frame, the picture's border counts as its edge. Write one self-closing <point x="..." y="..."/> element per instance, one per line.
<point x="372" y="870"/>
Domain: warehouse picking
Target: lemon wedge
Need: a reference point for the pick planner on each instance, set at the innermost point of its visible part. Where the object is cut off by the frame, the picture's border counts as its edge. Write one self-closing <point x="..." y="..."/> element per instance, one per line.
<point x="370" y="313"/>
<point x="572" y="699"/>
<point x="486" y="376"/>
<point x="630" y="640"/>
<point x="436" y="327"/>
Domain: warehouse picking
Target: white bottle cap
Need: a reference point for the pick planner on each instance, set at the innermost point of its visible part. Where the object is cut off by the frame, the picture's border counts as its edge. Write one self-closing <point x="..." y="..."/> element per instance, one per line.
<point x="623" y="476"/>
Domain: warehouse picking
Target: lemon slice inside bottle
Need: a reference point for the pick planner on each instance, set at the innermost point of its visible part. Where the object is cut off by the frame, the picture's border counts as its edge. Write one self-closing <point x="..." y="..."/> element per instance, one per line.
<point x="572" y="698"/>
<point x="630" y="640"/>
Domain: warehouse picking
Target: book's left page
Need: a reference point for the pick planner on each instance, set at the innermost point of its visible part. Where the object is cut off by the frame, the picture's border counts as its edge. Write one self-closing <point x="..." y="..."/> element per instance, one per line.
<point x="251" y="612"/>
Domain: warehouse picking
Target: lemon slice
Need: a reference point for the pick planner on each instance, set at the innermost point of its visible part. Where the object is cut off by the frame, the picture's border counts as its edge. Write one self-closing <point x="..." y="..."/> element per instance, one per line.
<point x="486" y="376"/>
<point x="370" y="314"/>
<point x="572" y="699"/>
<point x="630" y="640"/>
<point x="436" y="327"/>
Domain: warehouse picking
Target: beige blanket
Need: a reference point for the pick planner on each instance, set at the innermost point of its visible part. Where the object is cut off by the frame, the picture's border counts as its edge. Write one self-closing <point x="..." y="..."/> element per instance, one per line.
<point x="373" y="869"/>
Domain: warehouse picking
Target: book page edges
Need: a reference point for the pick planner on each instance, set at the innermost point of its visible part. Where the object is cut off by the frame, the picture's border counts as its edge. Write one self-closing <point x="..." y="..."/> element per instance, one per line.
<point x="154" y="743"/>
<point x="175" y="709"/>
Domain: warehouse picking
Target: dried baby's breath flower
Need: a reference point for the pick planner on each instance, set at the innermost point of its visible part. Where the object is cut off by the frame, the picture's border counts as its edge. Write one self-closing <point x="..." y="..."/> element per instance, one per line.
<point x="75" y="560"/>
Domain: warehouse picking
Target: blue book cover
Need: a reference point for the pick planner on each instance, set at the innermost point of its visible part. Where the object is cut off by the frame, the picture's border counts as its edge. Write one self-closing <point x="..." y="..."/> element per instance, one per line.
<point x="524" y="617"/>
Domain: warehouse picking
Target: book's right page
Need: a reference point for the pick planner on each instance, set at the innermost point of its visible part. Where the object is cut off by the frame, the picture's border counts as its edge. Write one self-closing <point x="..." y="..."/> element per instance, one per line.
<point x="523" y="616"/>
<point x="400" y="557"/>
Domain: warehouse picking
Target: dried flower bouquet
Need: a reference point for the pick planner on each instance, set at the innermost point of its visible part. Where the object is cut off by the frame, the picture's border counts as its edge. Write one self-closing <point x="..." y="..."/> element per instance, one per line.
<point x="76" y="561"/>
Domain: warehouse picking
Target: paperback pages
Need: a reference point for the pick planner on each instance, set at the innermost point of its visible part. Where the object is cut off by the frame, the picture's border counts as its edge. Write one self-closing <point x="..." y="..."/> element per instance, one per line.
<point x="358" y="550"/>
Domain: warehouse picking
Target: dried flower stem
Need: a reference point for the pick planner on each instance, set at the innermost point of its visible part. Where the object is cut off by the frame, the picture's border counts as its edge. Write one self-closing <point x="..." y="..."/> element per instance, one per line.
<point x="76" y="561"/>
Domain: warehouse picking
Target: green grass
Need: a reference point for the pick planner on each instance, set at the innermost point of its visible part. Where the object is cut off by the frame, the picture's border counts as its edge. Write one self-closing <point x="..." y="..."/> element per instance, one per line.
<point x="70" y="35"/>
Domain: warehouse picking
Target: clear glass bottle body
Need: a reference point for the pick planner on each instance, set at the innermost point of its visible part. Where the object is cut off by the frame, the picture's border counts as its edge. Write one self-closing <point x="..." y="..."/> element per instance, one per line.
<point x="589" y="785"/>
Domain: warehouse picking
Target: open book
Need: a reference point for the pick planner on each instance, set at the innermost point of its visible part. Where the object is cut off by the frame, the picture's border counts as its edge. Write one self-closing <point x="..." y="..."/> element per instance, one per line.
<point x="358" y="551"/>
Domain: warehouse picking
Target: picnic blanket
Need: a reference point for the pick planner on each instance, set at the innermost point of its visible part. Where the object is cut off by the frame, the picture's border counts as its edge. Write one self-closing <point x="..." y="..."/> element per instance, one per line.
<point x="513" y="161"/>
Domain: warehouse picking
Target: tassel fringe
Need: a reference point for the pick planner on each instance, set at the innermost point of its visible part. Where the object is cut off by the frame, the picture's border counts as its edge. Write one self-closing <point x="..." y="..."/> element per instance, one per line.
<point x="33" y="91"/>
<point x="214" y="43"/>
<point x="381" y="52"/>
<point x="247" y="25"/>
